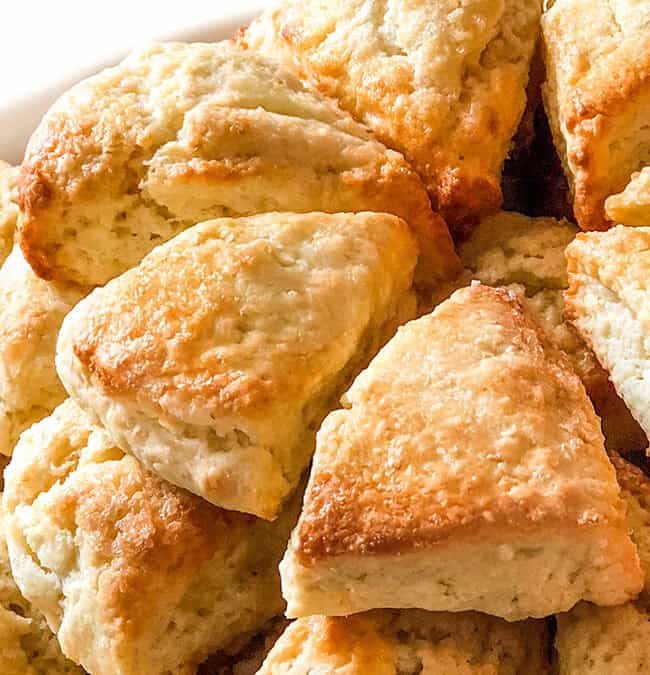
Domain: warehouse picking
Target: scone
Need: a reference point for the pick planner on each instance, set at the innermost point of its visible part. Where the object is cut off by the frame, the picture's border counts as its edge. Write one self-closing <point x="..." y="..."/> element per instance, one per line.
<point x="608" y="302"/>
<point x="135" y="576"/>
<point x="527" y="255"/>
<point x="632" y="205"/>
<point x="180" y="133"/>
<point x="466" y="472"/>
<point x="443" y="82"/>
<point x="216" y="359"/>
<point x="27" y="645"/>
<point x="408" y="642"/>
<point x="613" y="640"/>
<point x="8" y="207"/>
<point x="32" y="312"/>
<point x="597" y="96"/>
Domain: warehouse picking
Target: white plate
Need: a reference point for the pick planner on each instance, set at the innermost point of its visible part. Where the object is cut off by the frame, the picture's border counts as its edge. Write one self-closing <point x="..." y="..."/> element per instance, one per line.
<point x="21" y="108"/>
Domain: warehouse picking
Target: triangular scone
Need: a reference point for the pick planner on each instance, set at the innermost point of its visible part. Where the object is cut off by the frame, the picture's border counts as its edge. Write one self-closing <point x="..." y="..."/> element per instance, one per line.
<point x="180" y="133"/>
<point x="443" y="82"/>
<point x="27" y="645"/>
<point x="408" y="642"/>
<point x="613" y="640"/>
<point x="134" y="575"/>
<point x="216" y="359"/>
<point x="32" y="311"/>
<point x="527" y="255"/>
<point x="609" y="303"/>
<point x="597" y="97"/>
<point x="632" y="205"/>
<point x="467" y="471"/>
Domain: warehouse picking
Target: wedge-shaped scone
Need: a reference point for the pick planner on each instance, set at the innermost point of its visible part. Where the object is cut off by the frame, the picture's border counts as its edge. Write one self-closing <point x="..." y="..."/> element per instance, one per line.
<point x="179" y="133"/>
<point x="216" y="359"/>
<point x="134" y="575"/>
<point x="27" y="645"/>
<point x="31" y="314"/>
<point x="443" y="82"/>
<point x="408" y="642"/>
<point x="609" y="304"/>
<point x="467" y="471"/>
<point x="527" y="255"/>
<point x="8" y="207"/>
<point x="632" y="205"/>
<point x="597" y="97"/>
<point x="613" y="640"/>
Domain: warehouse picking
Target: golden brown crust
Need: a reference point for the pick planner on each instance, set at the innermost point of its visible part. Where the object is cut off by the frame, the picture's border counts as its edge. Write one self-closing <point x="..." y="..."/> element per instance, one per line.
<point x="381" y="510"/>
<point x="597" y="97"/>
<point x="177" y="134"/>
<point x="442" y="84"/>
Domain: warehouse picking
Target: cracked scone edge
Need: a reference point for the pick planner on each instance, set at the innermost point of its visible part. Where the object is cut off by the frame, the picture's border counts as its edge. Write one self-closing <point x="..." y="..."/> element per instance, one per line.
<point x="200" y="131"/>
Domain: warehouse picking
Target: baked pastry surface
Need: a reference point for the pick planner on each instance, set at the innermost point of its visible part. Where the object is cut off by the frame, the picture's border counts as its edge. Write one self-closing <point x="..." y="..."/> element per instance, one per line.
<point x="527" y="255"/>
<point x="180" y="133"/>
<point x="8" y="207"/>
<point x="614" y="640"/>
<point x="632" y="205"/>
<point x="469" y="462"/>
<point x="27" y="645"/>
<point x="215" y="360"/>
<point x="441" y="82"/>
<point x="134" y="575"/>
<point x="608" y="303"/>
<point x="31" y="314"/>
<point x="408" y="642"/>
<point x="597" y="97"/>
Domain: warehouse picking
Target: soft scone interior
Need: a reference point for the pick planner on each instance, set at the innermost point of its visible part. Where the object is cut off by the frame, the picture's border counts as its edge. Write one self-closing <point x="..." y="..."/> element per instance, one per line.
<point x="632" y="205"/>
<point x="180" y="133"/>
<point x="469" y="462"/>
<point x="215" y="360"/>
<point x="609" y="304"/>
<point x="135" y="576"/>
<point x="408" y="642"/>
<point x="593" y="640"/>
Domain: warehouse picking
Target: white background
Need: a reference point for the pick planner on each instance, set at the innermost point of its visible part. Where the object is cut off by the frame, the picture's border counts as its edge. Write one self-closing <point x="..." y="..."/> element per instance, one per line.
<point x="47" y="45"/>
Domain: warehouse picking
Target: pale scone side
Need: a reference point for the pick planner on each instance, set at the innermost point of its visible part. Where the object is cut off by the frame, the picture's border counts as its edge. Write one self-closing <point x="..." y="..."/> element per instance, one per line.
<point x="408" y="642"/>
<point x="135" y="576"/>
<point x="441" y="82"/>
<point x="27" y="645"/>
<point x="8" y="207"/>
<point x="31" y="314"/>
<point x="597" y="97"/>
<point x="632" y="205"/>
<point x="613" y="640"/>
<point x="180" y="133"/>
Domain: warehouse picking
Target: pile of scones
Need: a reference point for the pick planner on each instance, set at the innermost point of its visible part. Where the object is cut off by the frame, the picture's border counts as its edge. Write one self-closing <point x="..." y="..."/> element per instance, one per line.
<point x="325" y="350"/>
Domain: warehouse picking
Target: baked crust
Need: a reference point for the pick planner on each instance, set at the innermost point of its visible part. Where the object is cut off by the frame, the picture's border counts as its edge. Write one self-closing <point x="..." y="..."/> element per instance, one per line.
<point x="192" y="359"/>
<point x="442" y="83"/>
<point x="134" y="575"/>
<point x="632" y="206"/>
<point x="469" y="430"/>
<point x="180" y="133"/>
<point x="608" y="304"/>
<point x="32" y="313"/>
<point x="385" y="642"/>
<point x="597" y="97"/>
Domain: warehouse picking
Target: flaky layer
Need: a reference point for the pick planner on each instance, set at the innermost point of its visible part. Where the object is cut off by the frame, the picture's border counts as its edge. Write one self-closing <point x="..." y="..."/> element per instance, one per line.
<point x="386" y="642"/>
<point x="179" y="133"/>
<point x="597" y="97"/>
<point x="468" y="438"/>
<point x="135" y="576"/>
<point x="441" y="82"/>
<point x="632" y="206"/>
